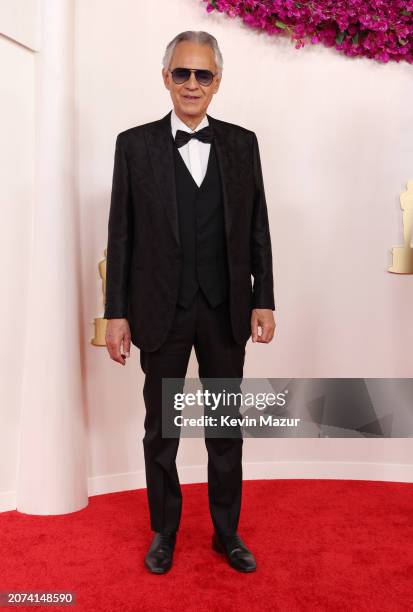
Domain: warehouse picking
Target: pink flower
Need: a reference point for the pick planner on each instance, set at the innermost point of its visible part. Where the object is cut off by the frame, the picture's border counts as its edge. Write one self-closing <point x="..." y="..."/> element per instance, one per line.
<point x="376" y="29"/>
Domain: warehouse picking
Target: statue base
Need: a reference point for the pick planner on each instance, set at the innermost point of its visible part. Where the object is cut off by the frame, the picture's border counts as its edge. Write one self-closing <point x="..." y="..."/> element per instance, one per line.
<point x="402" y="260"/>
<point x="100" y="332"/>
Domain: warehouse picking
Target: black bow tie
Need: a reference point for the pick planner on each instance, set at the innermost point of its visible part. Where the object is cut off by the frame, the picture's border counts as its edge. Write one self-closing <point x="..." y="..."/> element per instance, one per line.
<point x="204" y="135"/>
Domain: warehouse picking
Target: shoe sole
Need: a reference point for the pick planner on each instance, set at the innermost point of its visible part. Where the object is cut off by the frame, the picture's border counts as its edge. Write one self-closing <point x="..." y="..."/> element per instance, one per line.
<point x="160" y="571"/>
<point x="217" y="546"/>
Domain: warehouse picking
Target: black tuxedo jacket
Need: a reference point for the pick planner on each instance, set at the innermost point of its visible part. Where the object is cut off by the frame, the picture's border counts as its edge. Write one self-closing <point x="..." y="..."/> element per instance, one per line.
<point x="144" y="259"/>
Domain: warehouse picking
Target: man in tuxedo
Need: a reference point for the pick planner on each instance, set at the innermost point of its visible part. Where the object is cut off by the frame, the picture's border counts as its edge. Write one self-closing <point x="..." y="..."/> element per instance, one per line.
<point x="188" y="226"/>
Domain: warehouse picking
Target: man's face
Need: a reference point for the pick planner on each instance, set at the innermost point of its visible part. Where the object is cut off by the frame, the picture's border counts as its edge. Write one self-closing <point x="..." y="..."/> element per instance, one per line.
<point x="190" y="99"/>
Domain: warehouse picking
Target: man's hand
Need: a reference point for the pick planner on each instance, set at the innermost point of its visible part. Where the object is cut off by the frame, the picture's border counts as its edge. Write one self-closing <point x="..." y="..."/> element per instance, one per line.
<point x="264" y="318"/>
<point x="117" y="333"/>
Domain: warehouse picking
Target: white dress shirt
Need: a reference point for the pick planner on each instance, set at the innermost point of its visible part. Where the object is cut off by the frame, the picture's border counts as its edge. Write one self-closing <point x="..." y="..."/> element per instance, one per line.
<point x="194" y="153"/>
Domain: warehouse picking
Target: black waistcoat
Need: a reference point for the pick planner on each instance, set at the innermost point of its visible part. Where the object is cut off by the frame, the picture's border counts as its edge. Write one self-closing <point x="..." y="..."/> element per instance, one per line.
<point x="202" y="233"/>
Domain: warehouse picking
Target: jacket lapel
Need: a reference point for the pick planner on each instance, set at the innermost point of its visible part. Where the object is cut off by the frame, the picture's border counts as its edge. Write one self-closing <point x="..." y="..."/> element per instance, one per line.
<point x="225" y="157"/>
<point x="160" y="146"/>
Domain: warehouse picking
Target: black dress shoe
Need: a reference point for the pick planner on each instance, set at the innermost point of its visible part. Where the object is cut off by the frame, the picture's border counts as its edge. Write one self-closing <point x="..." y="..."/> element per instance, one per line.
<point x="238" y="555"/>
<point x="158" y="559"/>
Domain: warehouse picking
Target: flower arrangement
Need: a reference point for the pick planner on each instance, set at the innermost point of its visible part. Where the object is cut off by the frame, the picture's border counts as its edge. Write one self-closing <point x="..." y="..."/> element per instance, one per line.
<point x="377" y="29"/>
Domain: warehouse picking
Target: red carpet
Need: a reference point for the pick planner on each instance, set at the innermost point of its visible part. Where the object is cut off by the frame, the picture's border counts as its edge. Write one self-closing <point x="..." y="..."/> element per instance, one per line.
<point x="320" y="545"/>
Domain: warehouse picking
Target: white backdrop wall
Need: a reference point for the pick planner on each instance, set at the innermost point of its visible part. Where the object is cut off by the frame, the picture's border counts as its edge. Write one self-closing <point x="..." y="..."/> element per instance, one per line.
<point x="48" y="464"/>
<point x="18" y="37"/>
<point x="336" y="146"/>
<point x="20" y="22"/>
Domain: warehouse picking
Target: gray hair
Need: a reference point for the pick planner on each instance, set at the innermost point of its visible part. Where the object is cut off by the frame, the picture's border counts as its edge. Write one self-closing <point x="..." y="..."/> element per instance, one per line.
<point x="200" y="37"/>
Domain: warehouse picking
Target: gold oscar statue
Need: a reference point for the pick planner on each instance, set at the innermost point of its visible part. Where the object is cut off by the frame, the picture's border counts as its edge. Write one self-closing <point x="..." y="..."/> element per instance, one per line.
<point x="100" y="323"/>
<point x="403" y="255"/>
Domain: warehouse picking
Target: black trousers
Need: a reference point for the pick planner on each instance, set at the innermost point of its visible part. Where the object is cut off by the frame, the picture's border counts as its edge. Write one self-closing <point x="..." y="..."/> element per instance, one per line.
<point x="219" y="356"/>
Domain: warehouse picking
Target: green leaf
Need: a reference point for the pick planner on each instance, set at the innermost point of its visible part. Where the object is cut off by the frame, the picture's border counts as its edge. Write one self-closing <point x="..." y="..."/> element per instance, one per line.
<point x="340" y="37"/>
<point x="355" y="38"/>
<point x="407" y="13"/>
<point x="281" y="25"/>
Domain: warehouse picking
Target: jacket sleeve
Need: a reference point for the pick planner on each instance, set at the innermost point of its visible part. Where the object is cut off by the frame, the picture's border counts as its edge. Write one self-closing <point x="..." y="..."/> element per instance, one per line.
<point x="119" y="238"/>
<point x="260" y="243"/>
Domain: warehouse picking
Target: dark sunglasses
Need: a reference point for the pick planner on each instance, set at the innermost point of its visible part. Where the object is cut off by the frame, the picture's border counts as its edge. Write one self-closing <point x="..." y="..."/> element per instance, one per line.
<point x="204" y="77"/>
